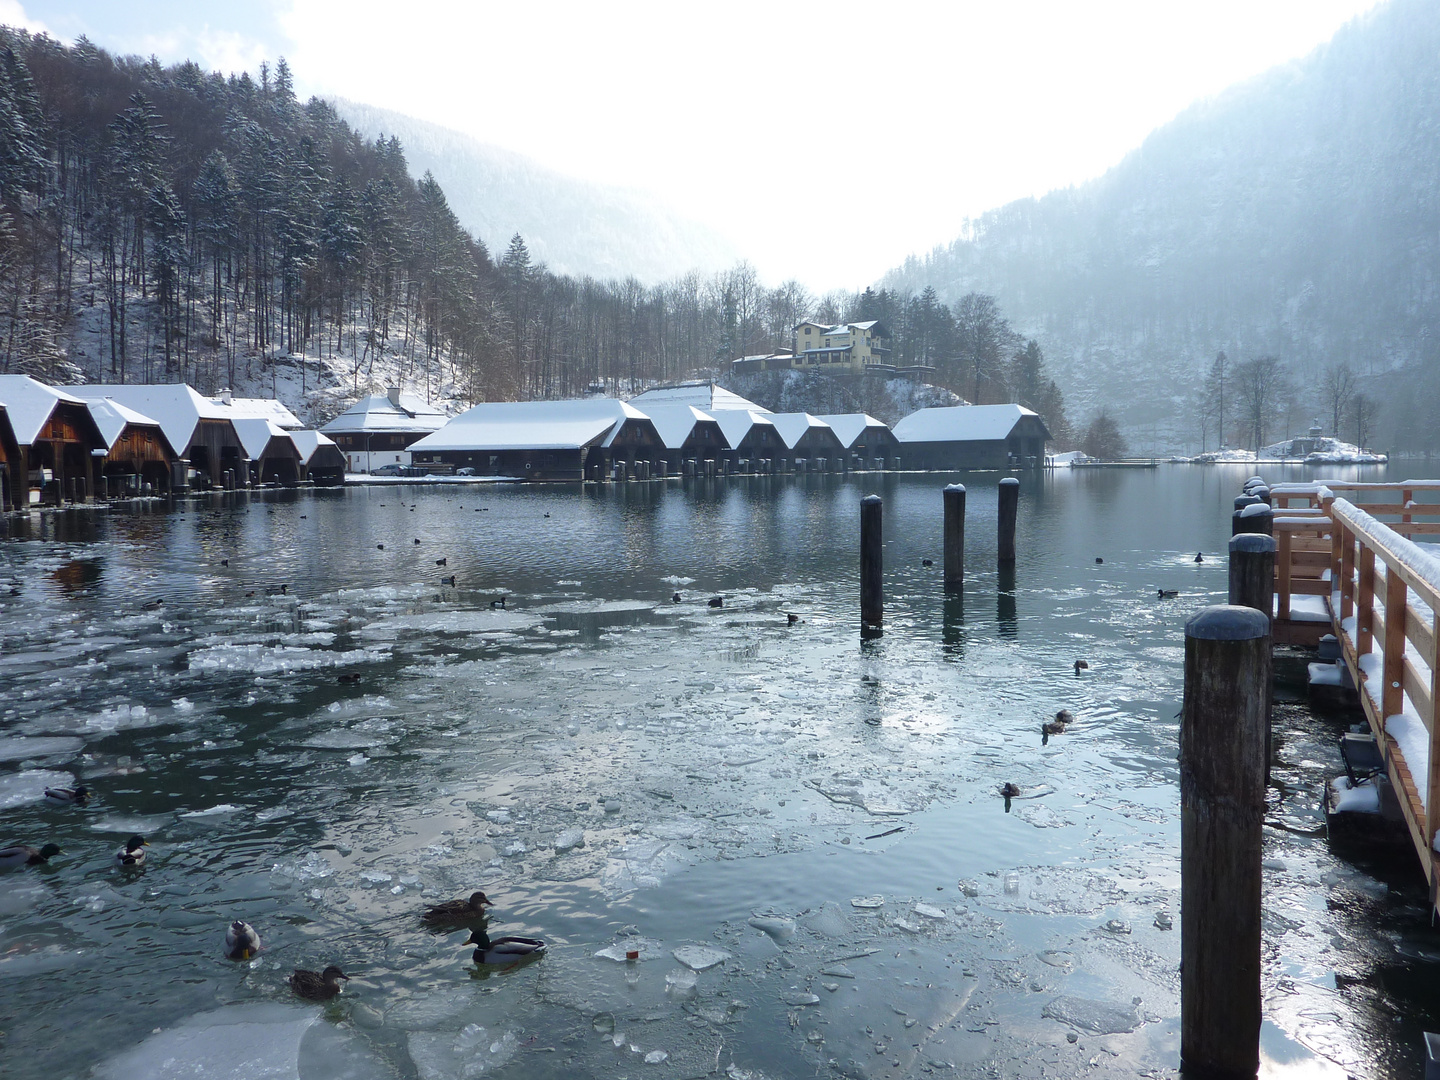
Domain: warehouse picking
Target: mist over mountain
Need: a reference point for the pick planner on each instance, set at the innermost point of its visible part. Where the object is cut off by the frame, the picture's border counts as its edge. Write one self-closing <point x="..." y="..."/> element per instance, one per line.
<point x="1296" y="215"/>
<point x="573" y="226"/>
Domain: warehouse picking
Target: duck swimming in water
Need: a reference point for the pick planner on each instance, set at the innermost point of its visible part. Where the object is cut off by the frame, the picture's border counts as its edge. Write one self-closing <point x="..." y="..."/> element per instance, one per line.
<point x="64" y="796"/>
<point x="504" y="951"/>
<point x="241" y="941"/>
<point x="458" y="912"/>
<point x="317" y="985"/>
<point x="133" y="853"/>
<point x="1081" y="665"/>
<point x="1199" y="556"/>
<point x="1169" y="594"/>
<point x="25" y="855"/>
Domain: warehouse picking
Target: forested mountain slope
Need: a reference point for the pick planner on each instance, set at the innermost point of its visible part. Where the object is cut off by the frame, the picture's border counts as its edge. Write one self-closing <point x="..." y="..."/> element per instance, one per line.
<point x="572" y="226"/>
<point x="1296" y="215"/>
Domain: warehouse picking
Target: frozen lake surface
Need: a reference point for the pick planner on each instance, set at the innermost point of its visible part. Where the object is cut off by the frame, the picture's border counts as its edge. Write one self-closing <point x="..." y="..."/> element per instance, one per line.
<point x="800" y="835"/>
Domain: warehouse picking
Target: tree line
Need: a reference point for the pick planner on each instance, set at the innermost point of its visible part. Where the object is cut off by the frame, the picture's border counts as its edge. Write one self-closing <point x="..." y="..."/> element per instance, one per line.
<point x="203" y="228"/>
<point x="1254" y="402"/>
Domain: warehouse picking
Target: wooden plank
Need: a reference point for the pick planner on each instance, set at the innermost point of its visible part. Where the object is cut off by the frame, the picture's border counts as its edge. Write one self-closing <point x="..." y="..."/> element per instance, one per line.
<point x="1433" y="787"/>
<point x="1404" y="785"/>
<point x="1282" y="566"/>
<point x="1365" y="601"/>
<point x="1421" y="634"/>
<point x="1394" y="644"/>
<point x="1415" y="681"/>
<point x="1347" y="572"/>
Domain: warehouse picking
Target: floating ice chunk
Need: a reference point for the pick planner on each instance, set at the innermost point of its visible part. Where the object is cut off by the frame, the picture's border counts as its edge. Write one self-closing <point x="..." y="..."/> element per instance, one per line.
<point x="675" y="579"/>
<point x="801" y="997"/>
<point x="612" y="806"/>
<point x="569" y="840"/>
<point x="311" y="867"/>
<point x="214" y="811"/>
<point x="17" y="789"/>
<point x="648" y="948"/>
<point x="829" y="921"/>
<point x="656" y="1057"/>
<point x="19" y="747"/>
<point x="183" y="705"/>
<point x="700" y="957"/>
<point x="375" y="877"/>
<point x="680" y="984"/>
<point x="867" y="902"/>
<point x="1097" y="1017"/>
<point x="930" y="911"/>
<point x="500" y="817"/>
<point x="515" y="848"/>
<point x="473" y="1052"/>
<point x="779" y="927"/>
<point x="356" y="760"/>
<point x="234" y="1043"/>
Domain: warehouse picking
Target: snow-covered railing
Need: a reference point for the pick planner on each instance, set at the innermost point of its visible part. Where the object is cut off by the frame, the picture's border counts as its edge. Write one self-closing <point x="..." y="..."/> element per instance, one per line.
<point x="1403" y="504"/>
<point x="1385" y="599"/>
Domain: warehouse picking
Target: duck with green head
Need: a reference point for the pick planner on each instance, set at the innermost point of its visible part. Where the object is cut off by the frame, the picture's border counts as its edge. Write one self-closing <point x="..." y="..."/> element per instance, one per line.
<point x="504" y="951"/>
<point x="25" y="855"/>
<point x="132" y="855"/>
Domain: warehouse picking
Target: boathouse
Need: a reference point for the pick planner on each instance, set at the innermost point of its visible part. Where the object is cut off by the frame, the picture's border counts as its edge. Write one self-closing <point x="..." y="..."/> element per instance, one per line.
<point x="198" y="428"/>
<point x="686" y="433"/>
<point x="706" y="396"/>
<point x="973" y="437"/>
<point x="752" y="439"/>
<point x="55" y="438"/>
<point x="869" y="442"/>
<point x="270" y="409"/>
<point x="136" y="450"/>
<point x="380" y="429"/>
<point x="809" y="439"/>
<point x="271" y="455"/>
<point x="9" y="461"/>
<point x="541" y="440"/>
<point x="321" y="461"/>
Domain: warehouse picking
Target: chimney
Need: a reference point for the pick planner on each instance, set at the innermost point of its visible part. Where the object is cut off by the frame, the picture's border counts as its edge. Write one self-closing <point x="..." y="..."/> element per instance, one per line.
<point x="226" y="397"/>
<point x="393" y="393"/>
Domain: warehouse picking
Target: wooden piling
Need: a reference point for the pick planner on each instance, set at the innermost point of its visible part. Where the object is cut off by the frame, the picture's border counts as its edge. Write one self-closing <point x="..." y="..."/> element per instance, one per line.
<point x="1255" y="518"/>
<point x="1009" y="503"/>
<point x="1222" y="808"/>
<point x="871" y="564"/>
<point x="1252" y="571"/>
<point x="954" y="536"/>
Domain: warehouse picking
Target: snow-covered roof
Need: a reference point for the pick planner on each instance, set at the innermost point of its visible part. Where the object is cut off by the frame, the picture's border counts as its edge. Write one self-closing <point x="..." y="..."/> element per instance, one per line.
<point x="532" y="425"/>
<point x="848" y="427"/>
<point x="674" y="423"/>
<point x="701" y="395"/>
<point x="29" y="404"/>
<point x="255" y="433"/>
<point x="792" y="426"/>
<point x="735" y="424"/>
<point x="111" y="418"/>
<point x="263" y="408"/>
<point x="379" y="413"/>
<point x="307" y="442"/>
<point x="961" y="423"/>
<point x="176" y="407"/>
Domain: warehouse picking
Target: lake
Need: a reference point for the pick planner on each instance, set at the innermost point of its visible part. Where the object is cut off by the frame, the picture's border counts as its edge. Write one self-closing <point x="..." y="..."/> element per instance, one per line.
<point x="319" y="735"/>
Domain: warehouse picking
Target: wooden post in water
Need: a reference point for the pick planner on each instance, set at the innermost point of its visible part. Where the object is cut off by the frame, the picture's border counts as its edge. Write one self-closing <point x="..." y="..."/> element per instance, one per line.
<point x="1255" y="518"/>
<point x="871" y="564"/>
<point x="1252" y="571"/>
<point x="954" y="536"/>
<point x="1009" y="503"/>
<point x="1222" y="807"/>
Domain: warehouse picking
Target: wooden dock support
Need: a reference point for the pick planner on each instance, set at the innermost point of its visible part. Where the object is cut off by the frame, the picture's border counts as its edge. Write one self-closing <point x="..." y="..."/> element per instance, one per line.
<point x="1222" y="808"/>
<point x="1009" y="503"/>
<point x="1252" y="571"/>
<point x="954" y="536"/>
<point x="872" y="602"/>
<point x="1255" y="518"/>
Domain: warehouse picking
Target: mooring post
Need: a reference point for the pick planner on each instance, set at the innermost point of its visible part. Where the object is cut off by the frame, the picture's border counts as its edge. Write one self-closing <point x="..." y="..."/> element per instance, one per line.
<point x="954" y="536"/>
<point x="1222" y="808"/>
<point x="1255" y="518"/>
<point x="1252" y="585"/>
<point x="1009" y="503"/>
<point x="871" y="564"/>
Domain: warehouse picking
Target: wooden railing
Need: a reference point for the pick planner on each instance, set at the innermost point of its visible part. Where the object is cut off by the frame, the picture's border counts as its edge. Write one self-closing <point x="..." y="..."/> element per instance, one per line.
<point x="1383" y="596"/>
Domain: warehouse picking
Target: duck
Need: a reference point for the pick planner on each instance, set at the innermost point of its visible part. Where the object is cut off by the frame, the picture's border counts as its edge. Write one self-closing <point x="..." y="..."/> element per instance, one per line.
<point x="717" y="601"/>
<point x="64" y="796"/>
<point x="133" y="852"/>
<point x="1099" y="561"/>
<point x="1010" y="791"/>
<point x="927" y="562"/>
<point x="317" y="985"/>
<point x="448" y="581"/>
<point x="241" y="941"/>
<point x="349" y="677"/>
<point x="25" y="855"/>
<point x="379" y="547"/>
<point x="1081" y="665"/>
<point x="498" y="603"/>
<point x="1064" y="717"/>
<point x="1199" y="556"/>
<point x="441" y="562"/>
<point x="224" y="562"/>
<point x="675" y="599"/>
<point x="459" y="912"/>
<point x="153" y="605"/>
<point x="1169" y="594"/>
<point x="504" y="951"/>
<point x="791" y="618"/>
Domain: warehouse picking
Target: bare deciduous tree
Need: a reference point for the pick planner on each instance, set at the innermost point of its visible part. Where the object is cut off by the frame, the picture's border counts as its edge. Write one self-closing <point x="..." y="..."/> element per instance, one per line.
<point x="1260" y="388"/>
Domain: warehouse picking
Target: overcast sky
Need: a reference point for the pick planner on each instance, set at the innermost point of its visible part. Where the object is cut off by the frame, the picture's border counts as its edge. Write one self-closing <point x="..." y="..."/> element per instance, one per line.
<point x="827" y="140"/>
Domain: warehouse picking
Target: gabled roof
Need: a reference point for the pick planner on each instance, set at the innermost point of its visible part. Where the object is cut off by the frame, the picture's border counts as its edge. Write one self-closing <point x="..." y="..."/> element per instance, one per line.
<point x="735" y="424"/>
<point x="793" y="426"/>
<point x="702" y="395"/>
<point x="532" y="425"/>
<point x="379" y="413"/>
<point x="255" y="434"/>
<point x="176" y="407"/>
<point x="962" y="423"/>
<point x="112" y="419"/>
<point x="308" y="442"/>
<point x="263" y="408"/>
<point x="674" y="423"/>
<point x="848" y="427"/>
<point x="29" y="404"/>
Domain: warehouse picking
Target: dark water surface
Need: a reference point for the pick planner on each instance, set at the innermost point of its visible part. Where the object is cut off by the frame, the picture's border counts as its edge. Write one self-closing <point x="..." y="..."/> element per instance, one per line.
<point x="619" y="770"/>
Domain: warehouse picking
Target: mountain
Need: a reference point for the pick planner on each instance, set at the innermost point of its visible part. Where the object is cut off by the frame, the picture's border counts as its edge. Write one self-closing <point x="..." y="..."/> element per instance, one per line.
<point x="572" y="226"/>
<point x="1295" y="215"/>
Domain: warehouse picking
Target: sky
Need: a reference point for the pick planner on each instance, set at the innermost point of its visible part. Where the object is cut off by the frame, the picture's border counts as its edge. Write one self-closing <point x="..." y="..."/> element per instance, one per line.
<point x="826" y="139"/>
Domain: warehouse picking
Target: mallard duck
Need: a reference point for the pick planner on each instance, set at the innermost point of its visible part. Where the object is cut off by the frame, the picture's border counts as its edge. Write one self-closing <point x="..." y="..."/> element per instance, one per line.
<point x="241" y="941"/>
<point x="1169" y="594"/>
<point x="317" y="985"/>
<point x="1064" y="716"/>
<point x="25" y="855"/>
<point x="64" y="796"/>
<point x="1081" y="665"/>
<point x="458" y="912"/>
<point x="504" y="951"/>
<point x="133" y="852"/>
<point x="1010" y="791"/>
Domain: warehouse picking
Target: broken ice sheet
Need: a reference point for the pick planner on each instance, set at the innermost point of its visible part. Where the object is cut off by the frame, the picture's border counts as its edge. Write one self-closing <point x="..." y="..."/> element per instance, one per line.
<point x="1097" y="1017"/>
<point x="700" y="957"/>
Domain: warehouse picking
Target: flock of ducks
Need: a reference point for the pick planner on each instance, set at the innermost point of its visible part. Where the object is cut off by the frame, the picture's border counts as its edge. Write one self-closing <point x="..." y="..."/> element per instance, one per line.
<point x="242" y="941"/>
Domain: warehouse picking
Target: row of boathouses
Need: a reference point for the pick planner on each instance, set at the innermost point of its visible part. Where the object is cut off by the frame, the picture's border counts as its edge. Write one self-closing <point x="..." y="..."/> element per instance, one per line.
<point x="78" y="442"/>
<point x="703" y="429"/>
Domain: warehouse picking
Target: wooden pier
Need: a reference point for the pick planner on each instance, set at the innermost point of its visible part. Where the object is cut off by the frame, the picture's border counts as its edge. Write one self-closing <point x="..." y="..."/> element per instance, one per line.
<point x="1340" y="569"/>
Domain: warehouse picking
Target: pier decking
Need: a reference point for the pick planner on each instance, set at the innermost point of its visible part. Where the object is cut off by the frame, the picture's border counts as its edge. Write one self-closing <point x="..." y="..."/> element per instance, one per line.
<point x="1340" y="569"/>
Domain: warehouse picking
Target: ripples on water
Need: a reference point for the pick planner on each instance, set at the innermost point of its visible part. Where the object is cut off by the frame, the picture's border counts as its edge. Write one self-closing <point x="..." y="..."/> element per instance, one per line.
<point x="716" y="766"/>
